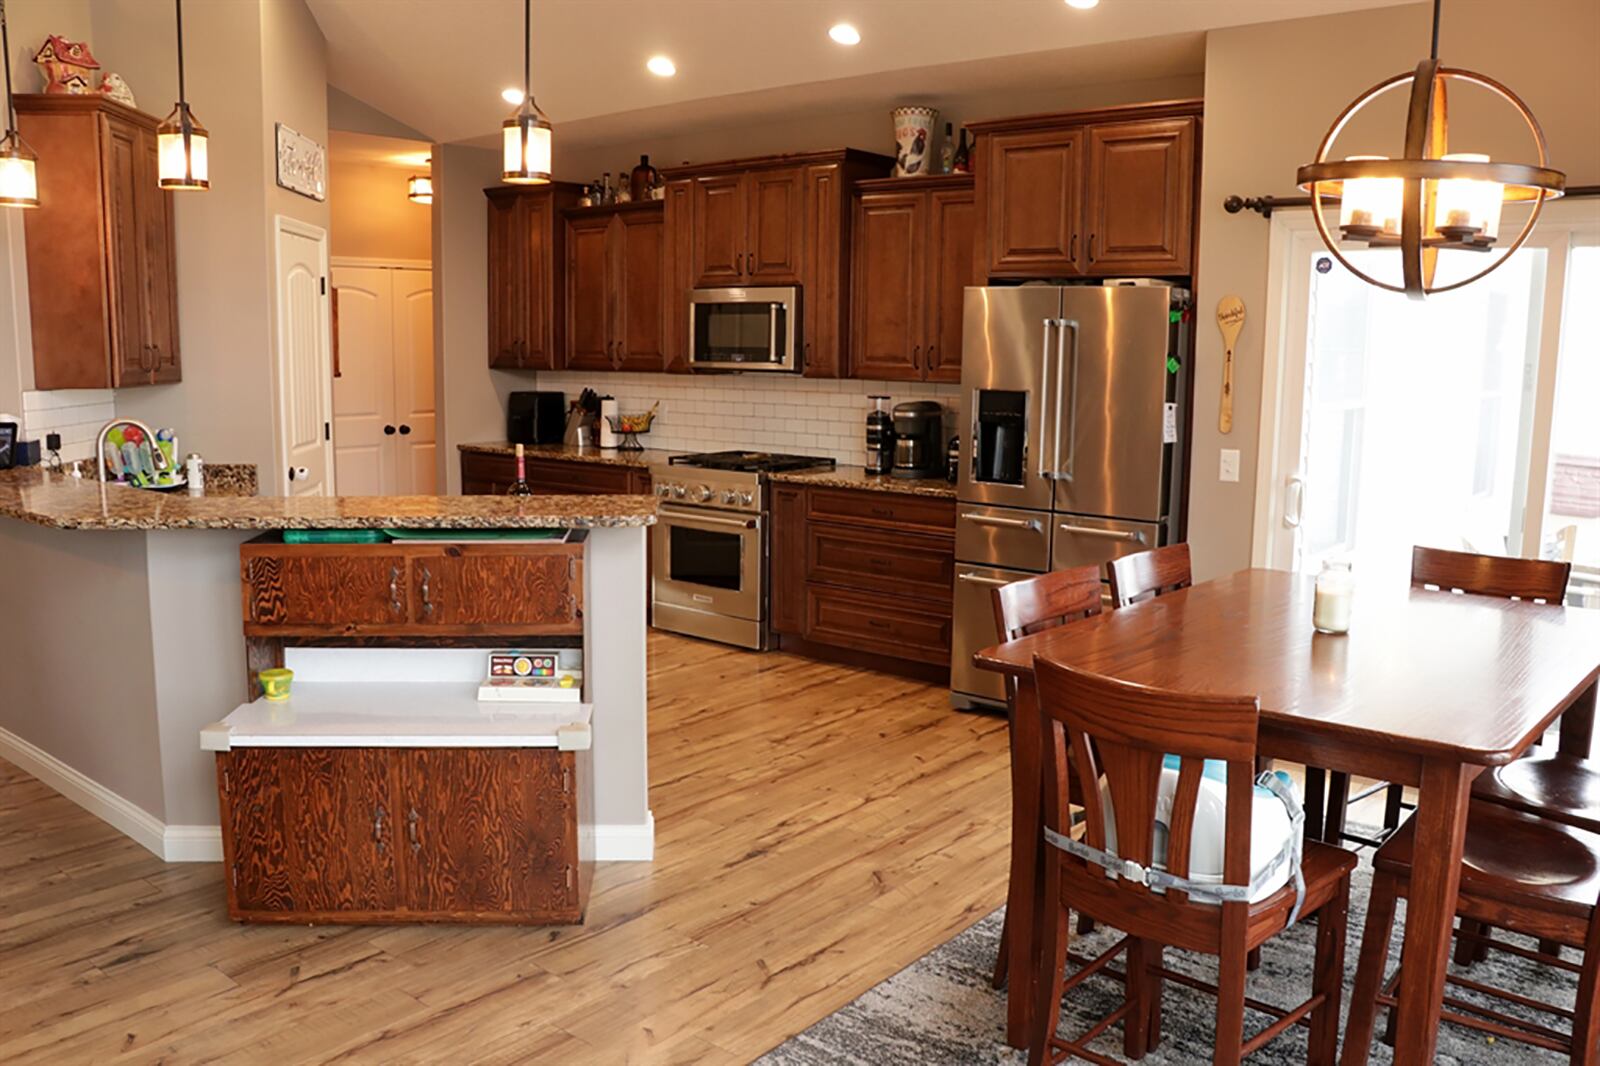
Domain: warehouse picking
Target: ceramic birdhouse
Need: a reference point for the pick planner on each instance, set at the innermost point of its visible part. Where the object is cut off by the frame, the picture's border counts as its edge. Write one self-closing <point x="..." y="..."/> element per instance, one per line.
<point x="68" y="66"/>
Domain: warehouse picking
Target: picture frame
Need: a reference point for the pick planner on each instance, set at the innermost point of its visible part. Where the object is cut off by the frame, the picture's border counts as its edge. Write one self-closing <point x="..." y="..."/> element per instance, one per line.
<point x="302" y="164"/>
<point x="8" y="445"/>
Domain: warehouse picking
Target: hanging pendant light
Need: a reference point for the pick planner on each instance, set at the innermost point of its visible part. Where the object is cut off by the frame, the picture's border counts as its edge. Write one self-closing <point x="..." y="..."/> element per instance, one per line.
<point x="19" y="176"/>
<point x="180" y="140"/>
<point x="419" y="188"/>
<point x="1431" y="199"/>
<point x="526" y="134"/>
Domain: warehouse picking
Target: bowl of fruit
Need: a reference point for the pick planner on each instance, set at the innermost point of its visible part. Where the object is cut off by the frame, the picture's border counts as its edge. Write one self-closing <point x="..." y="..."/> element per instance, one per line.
<point x="630" y="426"/>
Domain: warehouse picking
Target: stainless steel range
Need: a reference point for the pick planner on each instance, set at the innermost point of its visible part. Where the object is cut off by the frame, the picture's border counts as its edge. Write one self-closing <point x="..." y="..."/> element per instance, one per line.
<point x="710" y="546"/>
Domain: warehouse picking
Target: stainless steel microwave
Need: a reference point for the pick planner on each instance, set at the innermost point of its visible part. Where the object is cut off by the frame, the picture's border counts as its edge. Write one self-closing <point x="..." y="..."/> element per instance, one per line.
<point x="745" y="329"/>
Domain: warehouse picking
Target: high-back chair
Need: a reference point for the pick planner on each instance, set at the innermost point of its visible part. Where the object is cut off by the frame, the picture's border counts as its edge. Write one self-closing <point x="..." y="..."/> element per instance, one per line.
<point x="1122" y="740"/>
<point x="1029" y="606"/>
<point x="1149" y="573"/>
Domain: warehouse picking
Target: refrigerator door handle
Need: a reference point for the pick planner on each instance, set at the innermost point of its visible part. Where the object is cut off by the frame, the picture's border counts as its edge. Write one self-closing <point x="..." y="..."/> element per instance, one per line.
<point x="1044" y="383"/>
<point x="979" y="579"/>
<point x="1132" y="536"/>
<point x="1063" y="324"/>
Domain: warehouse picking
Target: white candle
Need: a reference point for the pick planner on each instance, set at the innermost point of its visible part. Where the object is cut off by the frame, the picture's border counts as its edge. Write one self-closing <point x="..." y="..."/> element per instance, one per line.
<point x="1335" y="591"/>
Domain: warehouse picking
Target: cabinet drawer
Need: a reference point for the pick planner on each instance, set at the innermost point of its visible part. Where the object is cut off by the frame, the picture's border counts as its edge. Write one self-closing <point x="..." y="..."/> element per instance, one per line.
<point x="292" y="586"/>
<point x="493" y="589"/>
<point x="877" y="508"/>
<point x="878" y="623"/>
<point x="550" y="477"/>
<point x="881" y="560"/>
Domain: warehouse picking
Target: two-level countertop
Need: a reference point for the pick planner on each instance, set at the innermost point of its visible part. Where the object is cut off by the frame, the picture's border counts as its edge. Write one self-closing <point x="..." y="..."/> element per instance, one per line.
<point x="61" y="501"/>
<point x="842" y="476"/>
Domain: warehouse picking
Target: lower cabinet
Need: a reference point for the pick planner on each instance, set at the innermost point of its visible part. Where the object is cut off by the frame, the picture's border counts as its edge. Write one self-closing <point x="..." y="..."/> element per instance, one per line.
<point x="491" y="474"/>
<point x="401" y="834"/>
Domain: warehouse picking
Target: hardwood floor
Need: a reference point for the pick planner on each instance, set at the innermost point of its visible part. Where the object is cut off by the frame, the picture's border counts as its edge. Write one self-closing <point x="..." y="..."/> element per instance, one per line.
<point x="818" y="828"/>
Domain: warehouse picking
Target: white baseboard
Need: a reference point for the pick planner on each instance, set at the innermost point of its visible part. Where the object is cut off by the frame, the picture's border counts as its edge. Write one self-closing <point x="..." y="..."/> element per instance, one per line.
<point x="623" y="843"/>
<point x="122" y="814"/>
<point x="192" y="843"/>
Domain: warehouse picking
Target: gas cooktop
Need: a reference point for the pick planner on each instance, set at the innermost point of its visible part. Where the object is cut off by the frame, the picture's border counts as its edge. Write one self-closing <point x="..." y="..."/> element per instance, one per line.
<point x="751" y="462"/>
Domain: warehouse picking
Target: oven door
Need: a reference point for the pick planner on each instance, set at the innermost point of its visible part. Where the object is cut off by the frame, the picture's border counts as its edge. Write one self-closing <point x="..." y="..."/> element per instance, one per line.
<point x="709" y="562"/>
<point x="745" y="329"/>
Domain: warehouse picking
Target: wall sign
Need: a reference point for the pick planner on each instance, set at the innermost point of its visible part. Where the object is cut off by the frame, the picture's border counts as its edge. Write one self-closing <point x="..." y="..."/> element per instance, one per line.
<point x="302" y="164"/>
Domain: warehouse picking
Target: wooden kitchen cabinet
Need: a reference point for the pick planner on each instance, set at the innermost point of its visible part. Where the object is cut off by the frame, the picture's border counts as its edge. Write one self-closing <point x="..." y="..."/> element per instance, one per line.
<point x="401" y="834"/>
<point x="677" y="272"/>
<point x="824" y="310"/>
<point x="614" y="288"/>
<point x="526" y="242"/>
<point x="490" y="474"/>
<point x="747" y="228"/>
<point x="102" y="266"/>
<point x="912" y="257"/>
<point x="1103" y="193"/>
<point x="788" y="554"/>
<point x="483" y="591"/>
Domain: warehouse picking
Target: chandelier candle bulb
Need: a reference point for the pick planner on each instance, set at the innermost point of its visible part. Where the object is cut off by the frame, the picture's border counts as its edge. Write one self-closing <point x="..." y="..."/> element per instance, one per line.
<point x="1370" y="206"/>
<point x="1336" y="588"/>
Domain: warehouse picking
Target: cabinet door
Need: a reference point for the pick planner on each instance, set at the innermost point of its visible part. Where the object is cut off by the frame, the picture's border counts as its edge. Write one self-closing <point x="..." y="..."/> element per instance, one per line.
<point x="952" y="230"/>
<point x="678" y="267"/>
<point x="588" y="283"/>
<point x="873" y="622"/>
<point x="537" y="223"/>
<point x="719" y="230"/>
<point x="126" y="195"/>
<point x="490" y="831"/>
<point x="788" y="558"/>
<point x="1035" y="192"/>
<point x="157" y="266"/>
<point x="887" y="272"/>
<point x="485" y="590"/>
<point x="1141" y="197"/>
<point x="822" y="310"/>
<point x="509" y="258"/>
<point x="322" y="587"/>
<point x="311" y="831"/>
<point x="776" y="221"/>
<point x="638" y="247"/>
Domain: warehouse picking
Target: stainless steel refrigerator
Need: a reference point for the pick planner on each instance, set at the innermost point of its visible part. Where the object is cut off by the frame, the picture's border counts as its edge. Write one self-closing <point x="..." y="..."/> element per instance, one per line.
<point x="1072" y="422"/>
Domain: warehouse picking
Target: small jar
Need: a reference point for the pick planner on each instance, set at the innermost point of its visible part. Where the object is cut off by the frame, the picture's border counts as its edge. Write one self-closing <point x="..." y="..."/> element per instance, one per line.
<point x="1336" y="588"/>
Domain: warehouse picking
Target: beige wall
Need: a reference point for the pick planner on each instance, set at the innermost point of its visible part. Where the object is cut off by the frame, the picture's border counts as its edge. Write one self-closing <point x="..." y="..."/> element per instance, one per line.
<point x="1271" y="92"/>
<point x="371" y="217"/>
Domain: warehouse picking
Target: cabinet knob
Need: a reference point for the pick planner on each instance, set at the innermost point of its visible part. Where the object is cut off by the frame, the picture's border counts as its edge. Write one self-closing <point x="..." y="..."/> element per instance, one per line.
<point x="411" y="830"/>
<point x="916" y="356"/>
<point x="427" y="599"/>
<point x="749" y="262"/>
<point x="394" y="591"/>
<point x="1091" y="247"/>
<point x="1072" y="248"/>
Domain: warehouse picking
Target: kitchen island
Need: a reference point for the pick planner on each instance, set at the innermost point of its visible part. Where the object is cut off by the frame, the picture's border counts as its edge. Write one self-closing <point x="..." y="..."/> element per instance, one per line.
<point x="126" y="637"/>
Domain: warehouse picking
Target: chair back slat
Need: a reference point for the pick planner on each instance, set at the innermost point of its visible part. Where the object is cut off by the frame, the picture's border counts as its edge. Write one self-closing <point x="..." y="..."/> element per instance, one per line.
<point x="1490" y="575"/>
<point x="1180" y="837"/>
<point x="1085" y="768"/>
<point x="1044" y="602"/>
<point x="1151" y="573"/>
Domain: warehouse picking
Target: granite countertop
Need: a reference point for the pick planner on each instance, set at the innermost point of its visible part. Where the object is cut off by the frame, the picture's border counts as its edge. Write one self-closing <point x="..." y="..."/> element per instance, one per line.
<point x="855" y="477"/>
<point x="35" y="495"/>
<point x="573" y="453"/>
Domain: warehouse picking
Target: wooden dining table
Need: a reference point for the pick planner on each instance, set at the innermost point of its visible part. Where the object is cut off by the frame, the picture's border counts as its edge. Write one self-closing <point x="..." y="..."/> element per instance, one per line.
<point x="1427" y="689"/>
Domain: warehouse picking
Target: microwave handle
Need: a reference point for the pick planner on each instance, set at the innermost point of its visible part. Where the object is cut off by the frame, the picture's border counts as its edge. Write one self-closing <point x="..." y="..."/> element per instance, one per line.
<point x="776" y="309"/>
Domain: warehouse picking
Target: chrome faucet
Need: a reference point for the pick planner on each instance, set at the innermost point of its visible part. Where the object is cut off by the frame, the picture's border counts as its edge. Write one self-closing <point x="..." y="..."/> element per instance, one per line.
<point x="157" y="459"/>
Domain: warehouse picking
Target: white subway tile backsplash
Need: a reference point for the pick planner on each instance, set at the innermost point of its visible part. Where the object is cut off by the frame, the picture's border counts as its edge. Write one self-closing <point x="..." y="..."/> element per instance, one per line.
<point x="76" y="414"/>
<point x="765" y="411"/>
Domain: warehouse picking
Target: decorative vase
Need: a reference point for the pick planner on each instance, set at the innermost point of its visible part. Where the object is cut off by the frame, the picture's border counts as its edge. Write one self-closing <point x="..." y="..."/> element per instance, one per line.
<point x="913" y="137"/>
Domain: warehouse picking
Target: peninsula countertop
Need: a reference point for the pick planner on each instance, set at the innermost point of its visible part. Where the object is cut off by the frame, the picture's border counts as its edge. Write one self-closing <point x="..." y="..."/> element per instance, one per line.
<point x="61" y="501"/>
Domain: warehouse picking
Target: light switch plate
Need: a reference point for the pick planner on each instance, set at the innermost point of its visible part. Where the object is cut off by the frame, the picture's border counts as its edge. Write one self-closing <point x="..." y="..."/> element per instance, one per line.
<point x="1229" y="468"/>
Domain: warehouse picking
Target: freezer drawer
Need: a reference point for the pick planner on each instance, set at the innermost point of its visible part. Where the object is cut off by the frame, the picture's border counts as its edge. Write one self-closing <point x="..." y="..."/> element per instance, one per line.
<point x="1081" y="541"/>
<point x="1003" y="536"/>
<point x="975" y="630"/>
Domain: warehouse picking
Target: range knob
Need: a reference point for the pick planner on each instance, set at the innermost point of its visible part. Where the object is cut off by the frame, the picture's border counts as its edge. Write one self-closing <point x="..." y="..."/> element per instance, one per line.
<point x="663" y="489"/>
<point x="746" y="498"/>
<point x="730" y="496"/>
<point x="678" y="492"/>
<point x="702" y="493"/>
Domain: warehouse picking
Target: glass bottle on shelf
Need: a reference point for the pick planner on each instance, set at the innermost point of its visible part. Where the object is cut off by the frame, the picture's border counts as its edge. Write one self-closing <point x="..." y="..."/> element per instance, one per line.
<point x="962" y="163"/>
<point x="608" y="195"/>
<point x="520" y="486"/>
<point x="947" y="151"/>
<point x="642" y="179"/>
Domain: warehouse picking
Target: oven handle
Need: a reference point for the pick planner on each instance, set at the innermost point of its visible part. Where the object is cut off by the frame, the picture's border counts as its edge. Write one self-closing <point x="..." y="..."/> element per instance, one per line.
<point x="1029" y="524"/>
<point x="713" y="520"/>
<point x="979" y="579"/>
<point x="1132" y="536"/>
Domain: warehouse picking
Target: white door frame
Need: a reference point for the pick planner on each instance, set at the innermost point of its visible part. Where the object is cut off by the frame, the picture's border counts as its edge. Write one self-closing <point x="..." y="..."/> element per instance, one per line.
<point x="371" y="261"/>
<point x="282" y="224"/>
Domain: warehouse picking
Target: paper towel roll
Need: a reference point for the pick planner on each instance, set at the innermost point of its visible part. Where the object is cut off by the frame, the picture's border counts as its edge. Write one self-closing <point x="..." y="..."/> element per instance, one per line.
<point x="608" y="411"/>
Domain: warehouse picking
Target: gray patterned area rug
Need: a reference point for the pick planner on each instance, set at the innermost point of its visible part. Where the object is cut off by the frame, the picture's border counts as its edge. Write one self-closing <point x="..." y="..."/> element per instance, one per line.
<point x="940" y="1010"/>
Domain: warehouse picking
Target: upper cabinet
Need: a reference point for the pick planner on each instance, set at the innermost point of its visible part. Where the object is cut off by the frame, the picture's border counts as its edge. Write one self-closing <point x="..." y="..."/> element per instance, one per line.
<point x="526" y="248"/>
<point x="748" y="228"/>
<point x="614" y="287"/>
<point x="911" y="257"/>
<point x="102" y="273"/>
<point x="1100" y="194"/>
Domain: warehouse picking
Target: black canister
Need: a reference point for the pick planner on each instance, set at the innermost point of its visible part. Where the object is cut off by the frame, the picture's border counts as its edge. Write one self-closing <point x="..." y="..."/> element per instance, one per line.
<point x="880" y="437"/>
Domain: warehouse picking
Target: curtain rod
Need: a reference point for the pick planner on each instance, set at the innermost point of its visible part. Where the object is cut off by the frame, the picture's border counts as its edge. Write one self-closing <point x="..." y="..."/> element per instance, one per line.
<point x="1265" y="205"/>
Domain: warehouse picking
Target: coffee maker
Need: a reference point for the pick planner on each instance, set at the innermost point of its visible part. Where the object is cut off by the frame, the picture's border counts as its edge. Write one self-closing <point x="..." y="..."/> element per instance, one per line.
<point x="919" y="450"/>
<point x="880" y="437"/>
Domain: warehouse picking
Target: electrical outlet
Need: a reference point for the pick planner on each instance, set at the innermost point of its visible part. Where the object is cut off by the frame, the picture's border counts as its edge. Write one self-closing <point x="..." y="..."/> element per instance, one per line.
<point x="1229" y="468"/>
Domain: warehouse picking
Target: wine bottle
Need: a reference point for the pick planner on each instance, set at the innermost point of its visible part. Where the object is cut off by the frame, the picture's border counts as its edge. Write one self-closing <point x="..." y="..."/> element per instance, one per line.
<point x="520" y="487"/>
<point x="642" y="179"/>
<point x="947" y="151"/>
<point x="962" y="164"/>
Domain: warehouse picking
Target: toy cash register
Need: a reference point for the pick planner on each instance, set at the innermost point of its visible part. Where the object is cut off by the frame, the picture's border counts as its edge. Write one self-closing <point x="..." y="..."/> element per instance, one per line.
<point x="518" y="675"/>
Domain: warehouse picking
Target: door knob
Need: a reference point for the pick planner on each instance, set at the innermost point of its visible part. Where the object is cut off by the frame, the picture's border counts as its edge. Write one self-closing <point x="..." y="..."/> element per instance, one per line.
<point x="405" y="430"/>
<point x="291" y="473"/>
<point x="388" y="431"/>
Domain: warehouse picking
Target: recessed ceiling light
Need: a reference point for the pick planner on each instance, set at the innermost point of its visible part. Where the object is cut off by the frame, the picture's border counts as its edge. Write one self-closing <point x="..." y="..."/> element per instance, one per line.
<point x="845" y="33"/>
<point x="1083" y="5"/>
<point x="511" y="96"/>
<point x="661" y="66"/>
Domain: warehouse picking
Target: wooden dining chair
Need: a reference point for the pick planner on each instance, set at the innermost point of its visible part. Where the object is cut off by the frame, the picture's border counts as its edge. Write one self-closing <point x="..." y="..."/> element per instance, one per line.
<point x="1102" y="729"/>
<point x="1029" y="606"/>
<point x="1519" y="872"/>
<point x="1149" y="573"/>
<point x="1477" y="575"/>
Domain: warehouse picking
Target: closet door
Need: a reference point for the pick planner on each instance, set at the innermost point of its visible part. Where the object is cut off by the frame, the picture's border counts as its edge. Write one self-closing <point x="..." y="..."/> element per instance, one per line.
<point x="363" y="381"/>
<point x="416" y="455"/>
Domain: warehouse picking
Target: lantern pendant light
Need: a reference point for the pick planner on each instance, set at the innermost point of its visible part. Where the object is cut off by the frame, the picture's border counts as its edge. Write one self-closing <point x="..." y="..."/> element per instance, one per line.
<point x="419" y="188"/>
<point x="526" y="134"/>
<point x="180" y="140"/>
<point x="1431" y="199"/>
<point x="19" y="176"/>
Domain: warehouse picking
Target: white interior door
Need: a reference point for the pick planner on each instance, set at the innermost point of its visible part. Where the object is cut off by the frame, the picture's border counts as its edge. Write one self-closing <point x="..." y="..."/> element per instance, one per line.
<point x="416" y="452"/>
<point x="363" y="387"/>
<point x="305" y="371"/>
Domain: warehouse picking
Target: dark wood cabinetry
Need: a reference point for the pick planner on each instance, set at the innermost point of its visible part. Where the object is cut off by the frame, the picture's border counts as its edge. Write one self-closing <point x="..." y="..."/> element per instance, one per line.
<point x="747" y="228"/>
<point x="401" y="834"/>
<point x="863" y="571"/>
<point x="1097" y="193"/>
<point x="526" y="240"/>
<point x="102" y="268"/>
<point x="614" y="288"/>
<point x="490" y="474"/>
<point x="911" y="257"/>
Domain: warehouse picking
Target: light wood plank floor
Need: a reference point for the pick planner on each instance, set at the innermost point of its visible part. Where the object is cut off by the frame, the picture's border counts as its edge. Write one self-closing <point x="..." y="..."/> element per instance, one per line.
<point x="818" y="828"/>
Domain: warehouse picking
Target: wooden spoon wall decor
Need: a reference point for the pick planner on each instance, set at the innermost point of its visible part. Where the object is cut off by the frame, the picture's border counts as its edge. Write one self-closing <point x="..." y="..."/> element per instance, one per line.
<point x="1230" y="320"/>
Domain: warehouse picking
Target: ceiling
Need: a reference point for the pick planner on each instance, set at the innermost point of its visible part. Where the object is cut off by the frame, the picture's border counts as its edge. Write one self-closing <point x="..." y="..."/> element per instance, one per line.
<point x="439" y="65"/>
<point x="366" y="149"/>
